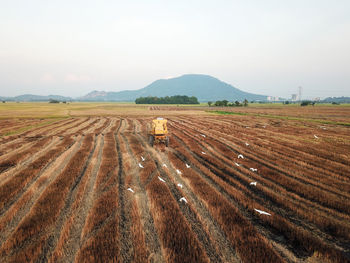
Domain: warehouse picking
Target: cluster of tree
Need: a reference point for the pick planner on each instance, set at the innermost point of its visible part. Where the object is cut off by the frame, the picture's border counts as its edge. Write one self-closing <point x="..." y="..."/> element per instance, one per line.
<point x="56" y="101"/>
<point x="226" y="103"/>
<point x="177" y="99"/>
<point x="307" y="102"/>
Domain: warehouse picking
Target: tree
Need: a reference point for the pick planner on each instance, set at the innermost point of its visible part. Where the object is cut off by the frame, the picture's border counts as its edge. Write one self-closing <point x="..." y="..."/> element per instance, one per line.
<point x="218" y="103"/>
<point x="245" y="102"/>
<point x="237" y="103"/>
<point x="210" y="103"/>
<point x="178" y="99"/>
<point x="305" y="103"/>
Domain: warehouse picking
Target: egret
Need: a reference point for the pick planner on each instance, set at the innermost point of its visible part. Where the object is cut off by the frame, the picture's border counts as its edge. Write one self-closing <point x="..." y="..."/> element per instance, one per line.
<point x="262" y="212"/>
<point x="183" y="199"/>
<point x="161" y="179"/>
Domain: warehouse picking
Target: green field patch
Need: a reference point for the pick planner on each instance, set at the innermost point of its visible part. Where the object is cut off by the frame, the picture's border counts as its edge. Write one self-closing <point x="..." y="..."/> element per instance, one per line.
<point x="29" y="127"/>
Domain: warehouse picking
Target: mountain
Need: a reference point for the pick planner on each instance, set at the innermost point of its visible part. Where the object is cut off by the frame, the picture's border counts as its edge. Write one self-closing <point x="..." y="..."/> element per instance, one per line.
<point x="204" y="87"/>
<point x="95" y="94"/>
<point x="31" y="97"/>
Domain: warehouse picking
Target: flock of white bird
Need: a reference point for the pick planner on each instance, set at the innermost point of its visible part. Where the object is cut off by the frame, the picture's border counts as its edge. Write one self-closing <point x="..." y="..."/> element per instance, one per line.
<point x="183" y="199"/>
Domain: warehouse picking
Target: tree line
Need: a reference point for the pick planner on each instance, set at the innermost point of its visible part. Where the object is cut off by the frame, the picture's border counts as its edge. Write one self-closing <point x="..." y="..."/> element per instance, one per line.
<point x="177" y="99"/>
<point x="226" y="103"/>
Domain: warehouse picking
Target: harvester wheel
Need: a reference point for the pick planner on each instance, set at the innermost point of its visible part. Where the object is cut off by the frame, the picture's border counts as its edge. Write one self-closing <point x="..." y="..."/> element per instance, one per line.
<point x="151" y="140"/>
<point x="167" y="141"/>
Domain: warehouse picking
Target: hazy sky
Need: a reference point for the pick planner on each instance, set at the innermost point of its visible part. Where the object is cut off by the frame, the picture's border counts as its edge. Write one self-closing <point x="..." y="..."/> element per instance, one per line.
<point x="267" y="47"/>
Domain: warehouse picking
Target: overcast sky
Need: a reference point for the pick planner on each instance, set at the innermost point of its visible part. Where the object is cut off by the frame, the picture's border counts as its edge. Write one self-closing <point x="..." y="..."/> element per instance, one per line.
<point x="269" y="47"/>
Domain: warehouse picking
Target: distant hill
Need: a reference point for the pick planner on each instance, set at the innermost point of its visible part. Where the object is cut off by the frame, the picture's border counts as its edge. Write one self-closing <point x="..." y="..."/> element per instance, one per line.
<point x="31" y="97"/>
<point x="204" y="87"/>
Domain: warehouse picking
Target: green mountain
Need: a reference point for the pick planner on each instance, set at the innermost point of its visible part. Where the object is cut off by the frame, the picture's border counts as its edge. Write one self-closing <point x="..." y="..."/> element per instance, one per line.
<point x="204" y="87"/>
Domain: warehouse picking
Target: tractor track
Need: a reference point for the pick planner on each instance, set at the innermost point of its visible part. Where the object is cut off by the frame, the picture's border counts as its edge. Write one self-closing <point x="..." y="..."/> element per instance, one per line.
<point x="97" y="193"/>
<point x="152" y="240"/>
<point x="124" y="211"/>
<point x="266" y="163"/>
<point x="298" y="222"/>
<point x="80" y="212"/>
<point x="23" y="161"/>
<point x="274" y="144"/>
<point x="190" y="215"/>
<point x="69" y="241"/>
<point x="66" y="210"/>
<point x="262" y="229"/>
<point x="261" y="197"/>
<point x="21" y="136"/>
<point x="65" y="191"/>
<point x="78" y="126"/>
<point x="21" y="168"/>
<point x="37" y="188"/>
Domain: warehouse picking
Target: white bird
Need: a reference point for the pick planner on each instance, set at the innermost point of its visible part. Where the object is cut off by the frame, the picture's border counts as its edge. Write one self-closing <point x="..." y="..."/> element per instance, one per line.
<point x="236" y="164"/>
<point x="240" y="156"/>
<point x="183" y="199"/>
<point x="253" y="169"/>
<point x="140" y="165"/>
<point x="203" y="135"/>
<point x="247" y="144"/>
<point x="178" y="171"/>
<point x="161" y="179"/>
<point x="180" y="185"/>
<point x="316" y="137"/>
<point x="253" y="183"/>
<point x="187" y="166"/>
<point x="164" y="165"/>
<point x="262" y="212"/>
<point x="143" y="159"/>
<point x="264" y="126"/>
<point x="203" y="153"/>
<point x="129" y="189"/>
<point x="247" y="126"/>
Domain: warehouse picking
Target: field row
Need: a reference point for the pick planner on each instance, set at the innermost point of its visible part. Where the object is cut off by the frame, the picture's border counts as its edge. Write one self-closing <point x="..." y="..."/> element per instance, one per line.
<point x="227" y="189"/>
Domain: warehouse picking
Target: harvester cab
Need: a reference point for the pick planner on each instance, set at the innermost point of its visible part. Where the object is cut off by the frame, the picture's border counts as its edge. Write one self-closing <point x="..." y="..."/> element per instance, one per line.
<point x="159" y="132"/>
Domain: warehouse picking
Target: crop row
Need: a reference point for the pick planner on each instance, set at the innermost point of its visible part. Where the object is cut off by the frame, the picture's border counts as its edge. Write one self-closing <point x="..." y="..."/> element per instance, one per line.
<point x="288" y="178"/>
<point x="228" y="176"/>
<point x="33" y="232"/>
<point x="250" y="245"/>
<point x="100" y="233"/>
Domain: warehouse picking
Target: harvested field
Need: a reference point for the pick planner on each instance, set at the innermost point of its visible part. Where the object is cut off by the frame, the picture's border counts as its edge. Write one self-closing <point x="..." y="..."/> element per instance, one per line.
<point x="229" y="188"/>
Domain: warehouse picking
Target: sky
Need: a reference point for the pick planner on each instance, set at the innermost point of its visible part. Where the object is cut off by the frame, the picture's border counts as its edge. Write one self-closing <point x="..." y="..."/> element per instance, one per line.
<point x="268" y="47"/>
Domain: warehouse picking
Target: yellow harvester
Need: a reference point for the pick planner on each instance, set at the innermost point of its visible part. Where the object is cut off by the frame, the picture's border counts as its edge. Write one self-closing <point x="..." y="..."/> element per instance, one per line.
<point x="158" y="132"/>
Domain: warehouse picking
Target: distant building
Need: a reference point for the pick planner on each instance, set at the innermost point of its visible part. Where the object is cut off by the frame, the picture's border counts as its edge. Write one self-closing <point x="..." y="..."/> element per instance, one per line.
<point x="317" y="99"/>
<point x="294" y="97"/>
<point x="273" y="98"/>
